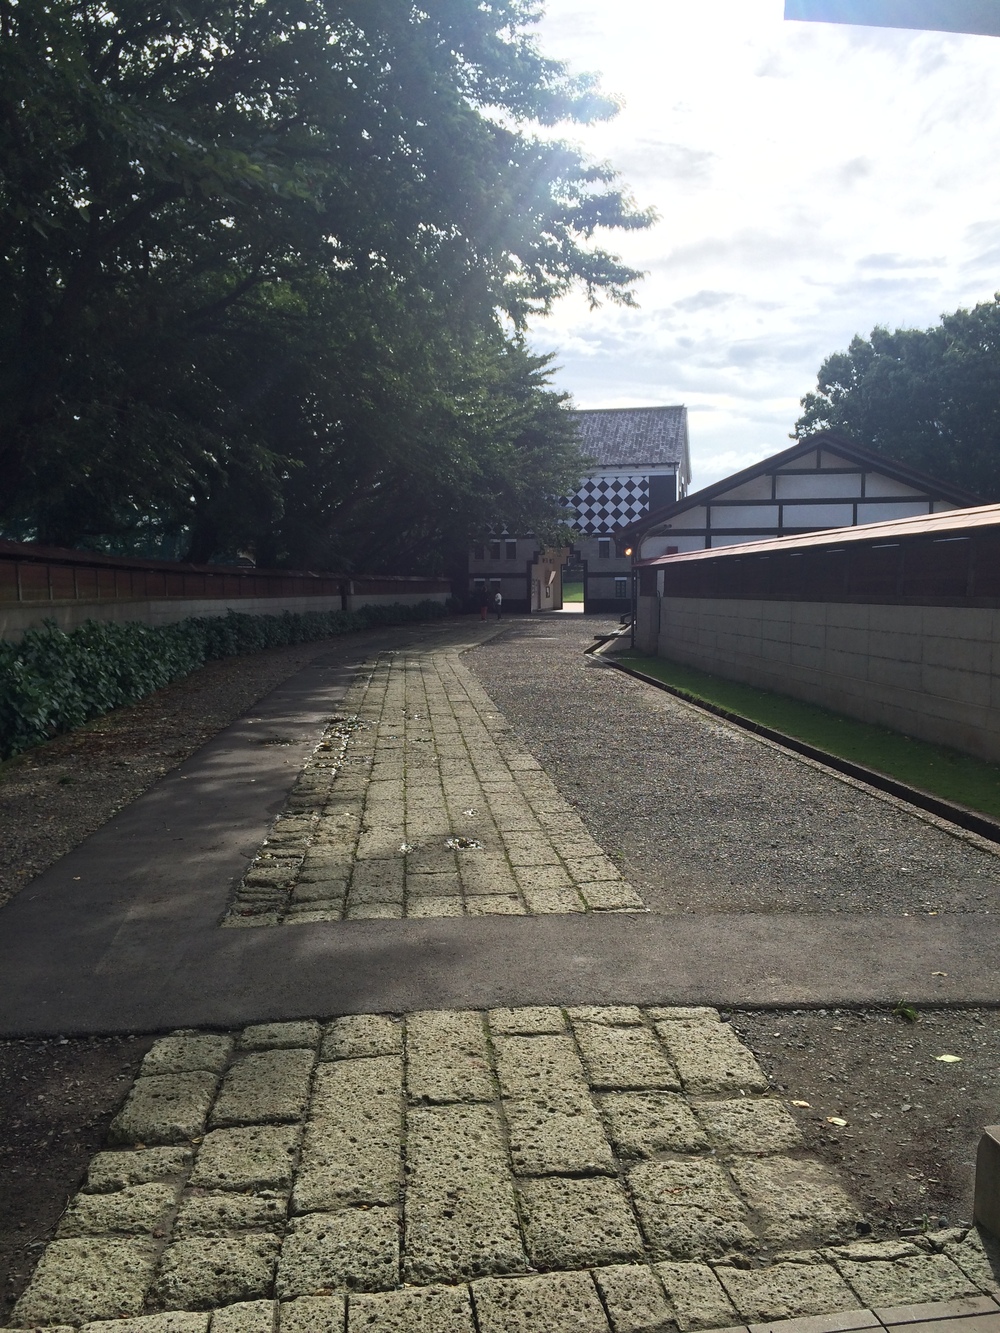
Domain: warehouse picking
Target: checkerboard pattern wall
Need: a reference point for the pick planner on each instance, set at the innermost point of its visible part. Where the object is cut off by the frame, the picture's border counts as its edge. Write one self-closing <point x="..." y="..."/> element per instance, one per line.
<point x="606" y="503"/>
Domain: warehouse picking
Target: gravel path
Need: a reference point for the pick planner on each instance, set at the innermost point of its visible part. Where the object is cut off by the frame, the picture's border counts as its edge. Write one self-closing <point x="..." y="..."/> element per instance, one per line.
<point x="704" y="817"/>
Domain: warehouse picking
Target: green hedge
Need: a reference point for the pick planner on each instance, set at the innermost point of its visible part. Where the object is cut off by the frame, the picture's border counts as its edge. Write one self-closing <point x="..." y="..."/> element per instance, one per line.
<point x="52" y="681"/>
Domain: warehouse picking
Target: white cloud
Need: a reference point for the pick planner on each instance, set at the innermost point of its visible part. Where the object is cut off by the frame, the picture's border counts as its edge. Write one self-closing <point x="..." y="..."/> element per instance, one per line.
<point x="812" y="181"/>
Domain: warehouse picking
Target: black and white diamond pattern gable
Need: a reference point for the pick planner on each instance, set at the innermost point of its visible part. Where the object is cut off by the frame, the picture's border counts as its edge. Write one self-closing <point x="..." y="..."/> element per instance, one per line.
<point x="605" y="504"/>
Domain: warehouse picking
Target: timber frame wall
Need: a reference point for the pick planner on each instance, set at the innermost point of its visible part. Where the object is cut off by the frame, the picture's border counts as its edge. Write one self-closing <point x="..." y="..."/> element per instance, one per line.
<point x="897" y="624"/>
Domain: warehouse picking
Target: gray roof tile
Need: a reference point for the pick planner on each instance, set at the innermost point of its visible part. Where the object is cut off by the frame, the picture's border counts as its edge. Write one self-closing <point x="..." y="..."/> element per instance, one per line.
<point x="635" y="436"/>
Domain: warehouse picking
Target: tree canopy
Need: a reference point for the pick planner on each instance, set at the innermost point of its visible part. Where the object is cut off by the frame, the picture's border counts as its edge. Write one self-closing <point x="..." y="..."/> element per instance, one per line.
<point x="265" y="268"/>
<point x="929" y="398"/>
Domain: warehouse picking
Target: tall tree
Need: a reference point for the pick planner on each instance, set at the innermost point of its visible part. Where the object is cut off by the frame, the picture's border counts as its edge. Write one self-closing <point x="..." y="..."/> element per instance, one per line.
<point x="194" y="197"/>
<point x="929" y="398"/>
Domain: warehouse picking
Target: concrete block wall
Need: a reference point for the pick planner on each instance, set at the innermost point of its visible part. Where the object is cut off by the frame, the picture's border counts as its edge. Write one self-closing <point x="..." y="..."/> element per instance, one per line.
<point x="927" y="671"/>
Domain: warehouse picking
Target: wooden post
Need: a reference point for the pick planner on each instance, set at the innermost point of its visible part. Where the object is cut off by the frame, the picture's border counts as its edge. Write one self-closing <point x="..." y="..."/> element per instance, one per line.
<point x="986" y="1208"/>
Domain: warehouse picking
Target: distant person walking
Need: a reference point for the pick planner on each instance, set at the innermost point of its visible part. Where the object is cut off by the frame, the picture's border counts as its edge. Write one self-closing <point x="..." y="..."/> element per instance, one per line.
<point x="484" y="601"/>
<point x="498" y="603"/>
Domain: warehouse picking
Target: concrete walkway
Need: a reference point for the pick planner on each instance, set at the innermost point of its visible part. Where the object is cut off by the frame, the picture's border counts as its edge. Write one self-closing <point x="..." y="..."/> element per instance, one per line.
<point x="453" y="1077"/>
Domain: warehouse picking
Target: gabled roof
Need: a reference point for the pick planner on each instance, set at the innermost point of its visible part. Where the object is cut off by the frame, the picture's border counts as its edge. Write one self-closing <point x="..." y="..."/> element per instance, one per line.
<point x="827" y="439"/>
<point x="636" y="437"/>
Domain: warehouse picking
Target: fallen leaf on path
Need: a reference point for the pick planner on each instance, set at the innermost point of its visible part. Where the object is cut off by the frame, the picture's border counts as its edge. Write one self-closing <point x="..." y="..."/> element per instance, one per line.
<point x="939" y="974"/>
<point x="800" y="1103"/>
<point x="948" y="1059"/>
<point x="836" y="1120"/>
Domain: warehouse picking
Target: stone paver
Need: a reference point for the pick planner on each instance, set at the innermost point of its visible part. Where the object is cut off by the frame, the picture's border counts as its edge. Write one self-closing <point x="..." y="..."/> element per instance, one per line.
<point x="467" y="1172"/>
<point x="418" y="803"/>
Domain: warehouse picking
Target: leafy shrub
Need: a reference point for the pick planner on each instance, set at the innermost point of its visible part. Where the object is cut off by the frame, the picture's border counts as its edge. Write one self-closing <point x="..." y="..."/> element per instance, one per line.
<point x="52" y="681"/>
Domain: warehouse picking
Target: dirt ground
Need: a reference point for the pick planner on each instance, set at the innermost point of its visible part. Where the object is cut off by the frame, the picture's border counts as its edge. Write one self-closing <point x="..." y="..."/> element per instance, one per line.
<point x="913" y="1122"/>
<point x="908" y="1150"/>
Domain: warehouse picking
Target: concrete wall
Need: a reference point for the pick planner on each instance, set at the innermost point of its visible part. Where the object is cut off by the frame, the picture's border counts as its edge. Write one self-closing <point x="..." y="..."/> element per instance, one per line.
<point x="16" y="618"/>
<point x="927" y="671"/>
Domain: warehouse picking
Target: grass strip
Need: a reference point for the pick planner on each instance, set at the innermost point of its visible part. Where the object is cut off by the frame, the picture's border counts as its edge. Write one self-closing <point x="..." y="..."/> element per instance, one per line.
<point x="944" y="772"/>
<point x="572" y="592"/>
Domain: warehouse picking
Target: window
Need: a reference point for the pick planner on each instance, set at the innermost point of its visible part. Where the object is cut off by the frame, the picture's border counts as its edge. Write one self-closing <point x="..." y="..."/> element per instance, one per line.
<point x="604" y="549"/>
<point x="495" y="550"/>
<point x="511" y="549"/>
<point x="621" y="589"/>
<point x="479" y="553"/>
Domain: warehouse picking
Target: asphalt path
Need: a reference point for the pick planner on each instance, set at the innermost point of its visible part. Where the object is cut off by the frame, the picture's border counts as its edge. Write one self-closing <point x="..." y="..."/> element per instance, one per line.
<point x="122" y="934"/>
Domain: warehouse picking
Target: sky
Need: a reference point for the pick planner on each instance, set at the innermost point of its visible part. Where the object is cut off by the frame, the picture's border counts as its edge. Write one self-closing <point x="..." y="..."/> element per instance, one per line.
<point x="811" y="180"/>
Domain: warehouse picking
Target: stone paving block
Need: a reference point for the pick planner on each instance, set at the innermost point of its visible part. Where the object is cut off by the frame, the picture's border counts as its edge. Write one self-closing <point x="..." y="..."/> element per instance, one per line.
<point x="263" y="1086"/>
<point x="187" y="1053"/>
<point x="542" y="1066"/>
<point x="842" y="1321"/>
<point x="553" y="1303"/>
<point x="279" y="1036"/>
<point x="164" y="1108"/>
<point x="313" y="1314"/>
<point x="321" y="897"/>
<point x="592" y="869"/>
<point x="485" y="874"/>
<point x="643" y="1124"/>
<point x="541" y="902"/>
<point x="422" y="908"/>
<point x="375" y="911"/>
<point x="633" y="1298"/>
<point x="902" y="1316"/>
<point x="612" y="1015"/>
<point x="171" y="1321"/>
<point x="624" y="1057"/>
<point x="557" y="1136"/>
<point x="461" y="1216"/>
<point x="526" y="1020"/>
<point x="329" y="878"/>
<point x="535" y="878"/>
<point x="611" y="896"/>
<point x="696" y="1296"/>
<point x="219" y="1214"/>
<point x="980" y="1323"/>
<point x="924" y="1277"/>
<point x="978" y="1256"/>
<point x="417" y="1310"/>
<point x="786" y="1291"/>
<point x="796" y="1200"/>
<point x="529" y="850"/>
<point x="77" y="1281"/>
<point x="688" y="1210"/>
<point x="446" y="1058"/>
<point x="205" y="1272"/>
<point x="141" y="1166"/>
<point x="246" y="1317"/>
<point x="252" y="1157"/>
<point x="352" y="1144"/>
<point x="487" y="904"/>
<point x="320" y="912"/>
<point x="446" y="885"/>
<point x="356" y="1248"/>
<point x="576" y="1223"/>
<point x="710" y="1058"/>
<point x="362" y="894"/>
<point x="357" y="1035"/>
<point x="749" y="1125"/>
<point x="435" y="858"/>
<point x="135" y="1210"/>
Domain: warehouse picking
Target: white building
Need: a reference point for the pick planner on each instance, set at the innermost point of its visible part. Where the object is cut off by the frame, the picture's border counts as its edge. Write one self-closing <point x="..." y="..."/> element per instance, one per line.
<point x="641" y="462"/>
<point x="822" y="482"/>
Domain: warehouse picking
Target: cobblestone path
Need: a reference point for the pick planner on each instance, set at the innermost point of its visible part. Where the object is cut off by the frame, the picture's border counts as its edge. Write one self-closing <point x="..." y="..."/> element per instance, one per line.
<point x="419" y="803"/>
<point x="527" y="1170"/>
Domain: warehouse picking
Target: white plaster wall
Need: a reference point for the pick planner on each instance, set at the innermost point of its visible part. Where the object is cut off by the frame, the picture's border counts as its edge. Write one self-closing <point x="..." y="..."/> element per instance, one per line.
<point x="932" y="672"/>
<point x="14" y="620"/>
